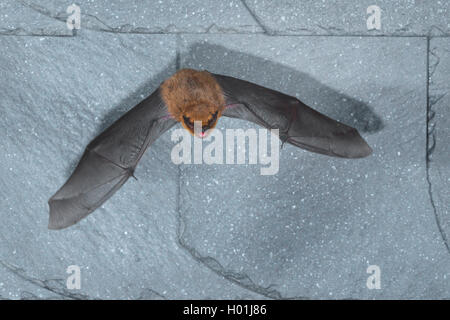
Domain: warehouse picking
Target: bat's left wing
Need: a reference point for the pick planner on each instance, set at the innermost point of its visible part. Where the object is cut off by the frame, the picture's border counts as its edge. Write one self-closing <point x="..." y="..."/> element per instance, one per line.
<point x="108" y="161"/>
<point x="298" y="124"/>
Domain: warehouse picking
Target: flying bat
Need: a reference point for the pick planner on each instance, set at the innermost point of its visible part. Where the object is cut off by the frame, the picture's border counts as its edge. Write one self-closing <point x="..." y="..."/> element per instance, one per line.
<point x="188" y="97"/>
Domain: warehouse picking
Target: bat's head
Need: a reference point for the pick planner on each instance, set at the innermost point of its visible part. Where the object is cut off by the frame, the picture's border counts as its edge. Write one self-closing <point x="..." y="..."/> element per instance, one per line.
<point x="199" y="119"/>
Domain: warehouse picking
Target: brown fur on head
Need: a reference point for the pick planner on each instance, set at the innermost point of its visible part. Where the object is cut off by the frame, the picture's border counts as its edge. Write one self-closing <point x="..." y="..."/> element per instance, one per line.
<point x="192" y="95"/>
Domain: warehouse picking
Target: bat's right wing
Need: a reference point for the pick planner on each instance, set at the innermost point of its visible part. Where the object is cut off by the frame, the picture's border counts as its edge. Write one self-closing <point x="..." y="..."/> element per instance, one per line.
<point x="108" y="161"/>
<point x="298" y="124"/>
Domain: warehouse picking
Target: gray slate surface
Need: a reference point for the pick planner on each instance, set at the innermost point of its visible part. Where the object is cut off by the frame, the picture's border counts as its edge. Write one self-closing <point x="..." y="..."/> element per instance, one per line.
<point x="439" y="133"/>
<point x="225" y="231"/>
<point x="19" y="19"/>
<point x="58" y="94"/>
<point x="348" y="17"/>
<point x="154" y="16"/>
<point x="312" y="230"/>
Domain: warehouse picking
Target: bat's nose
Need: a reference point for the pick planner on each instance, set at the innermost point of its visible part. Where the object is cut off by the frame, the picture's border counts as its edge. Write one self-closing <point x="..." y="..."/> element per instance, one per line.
<point x="203" y="134"/>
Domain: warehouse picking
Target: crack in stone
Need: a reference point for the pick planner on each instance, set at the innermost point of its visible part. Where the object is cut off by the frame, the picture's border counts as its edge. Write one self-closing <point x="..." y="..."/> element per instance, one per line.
<point x="25" y="295"/>
<point x="430" y="31"/>
<point x="330" y="29"/>
<point x="436" y="215"/>
<point x="434" y="65"/>
<point x="213" y="28"/>
<point x="241" y="279"/>
<point x="53" y="285"/>
<point x="22" y="32"/>
<point x="434" y="100"/>
<point x="257" y="19"/>
<point x="297" y="31"/>
<point x="170" y="29"/>
<point x="403" y="29"/>
<point x="61" y="17"/>
<point x="431" y="137"/>
<point x="35" y="35"/>
<point x="42" y="10"/>
<point x="149" y="294"/>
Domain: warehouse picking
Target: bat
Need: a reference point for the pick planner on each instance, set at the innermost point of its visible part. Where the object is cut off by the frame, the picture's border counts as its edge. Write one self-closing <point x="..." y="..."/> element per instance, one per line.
<point x="187" y="97"/>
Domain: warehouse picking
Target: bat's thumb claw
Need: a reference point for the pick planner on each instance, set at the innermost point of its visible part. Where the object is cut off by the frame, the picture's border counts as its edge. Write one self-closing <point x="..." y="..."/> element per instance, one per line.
<point x="284" y="139"/>
<point x="131" y="173"/>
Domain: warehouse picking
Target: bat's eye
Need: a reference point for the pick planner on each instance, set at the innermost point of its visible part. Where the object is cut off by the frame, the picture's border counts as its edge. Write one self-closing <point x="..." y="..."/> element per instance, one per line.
<point x="188" y="122"/>
<point x="213" y="119"/>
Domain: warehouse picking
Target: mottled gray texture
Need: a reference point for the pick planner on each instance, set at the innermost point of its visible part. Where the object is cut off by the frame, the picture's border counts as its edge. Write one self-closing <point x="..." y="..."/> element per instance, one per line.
<point x="57" y="95"/>
<point x="313" y="229"/>
<point x="19" y="19"/>
<point x="305" y="17"/>
<point x="439" y="132"/>
<point x="225" y="231"/>
<point x="348" y="17"/>
<point x="154" y="16"/>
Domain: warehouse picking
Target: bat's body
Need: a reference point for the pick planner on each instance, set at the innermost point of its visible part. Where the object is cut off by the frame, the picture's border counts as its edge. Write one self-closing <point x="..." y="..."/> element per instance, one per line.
<point x="192" y="95"/>
<point x="187" y="97"/>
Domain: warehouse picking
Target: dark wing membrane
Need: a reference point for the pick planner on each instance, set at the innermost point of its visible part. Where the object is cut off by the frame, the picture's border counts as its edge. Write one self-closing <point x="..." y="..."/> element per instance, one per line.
<point x="108" y="161"/>
<point x="298" y="124"/>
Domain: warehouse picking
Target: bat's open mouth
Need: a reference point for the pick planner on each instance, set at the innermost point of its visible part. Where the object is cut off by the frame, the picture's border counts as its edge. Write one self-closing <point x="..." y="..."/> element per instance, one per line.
<point x="202" y="134"/>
